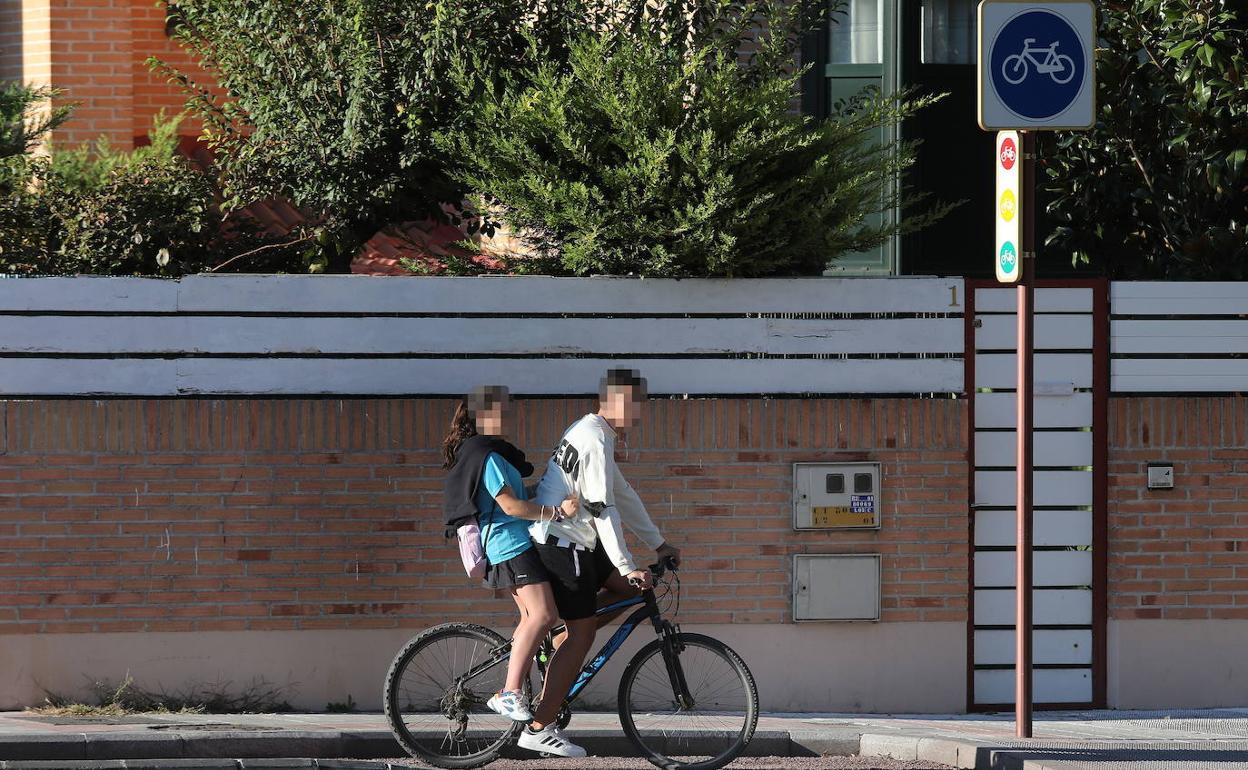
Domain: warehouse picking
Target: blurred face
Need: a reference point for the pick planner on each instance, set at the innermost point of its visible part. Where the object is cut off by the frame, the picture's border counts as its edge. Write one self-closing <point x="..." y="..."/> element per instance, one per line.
<point x="495" y="420"/>
<point x="623" y="407"/>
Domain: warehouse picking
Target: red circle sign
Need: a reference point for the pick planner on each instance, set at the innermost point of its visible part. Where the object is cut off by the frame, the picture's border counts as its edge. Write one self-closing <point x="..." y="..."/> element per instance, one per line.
<point x="1009" y="153"/>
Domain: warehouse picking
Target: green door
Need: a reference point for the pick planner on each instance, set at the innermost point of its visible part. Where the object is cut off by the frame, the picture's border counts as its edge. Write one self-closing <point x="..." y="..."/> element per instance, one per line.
<point x="862" y="51"/>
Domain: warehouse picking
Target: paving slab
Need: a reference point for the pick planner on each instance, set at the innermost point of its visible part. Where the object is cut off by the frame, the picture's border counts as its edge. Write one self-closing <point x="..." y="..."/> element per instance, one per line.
<point x="1074" y="740"/>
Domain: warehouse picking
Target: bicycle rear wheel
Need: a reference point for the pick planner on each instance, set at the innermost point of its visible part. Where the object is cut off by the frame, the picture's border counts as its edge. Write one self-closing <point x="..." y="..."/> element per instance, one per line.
<point x="704" y="734"/>
<point x="436" y="709"/>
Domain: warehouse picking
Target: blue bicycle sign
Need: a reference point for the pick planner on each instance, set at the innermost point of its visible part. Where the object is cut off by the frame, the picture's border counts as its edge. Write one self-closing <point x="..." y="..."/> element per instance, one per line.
<point x="1036" y="64"/>
<point x="1058" y="66"/>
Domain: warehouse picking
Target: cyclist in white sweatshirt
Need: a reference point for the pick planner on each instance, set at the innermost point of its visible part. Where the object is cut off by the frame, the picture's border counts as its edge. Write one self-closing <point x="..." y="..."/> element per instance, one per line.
<point x="584" y="552"/>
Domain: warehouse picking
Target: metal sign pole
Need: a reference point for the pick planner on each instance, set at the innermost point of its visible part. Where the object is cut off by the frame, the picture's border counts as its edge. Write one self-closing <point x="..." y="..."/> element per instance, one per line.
<point x="1024" y="476"/>
<point x="1036" y="72"/>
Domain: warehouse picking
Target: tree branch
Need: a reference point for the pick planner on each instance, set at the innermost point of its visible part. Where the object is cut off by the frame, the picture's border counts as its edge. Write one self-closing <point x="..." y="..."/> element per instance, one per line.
<point x="265" y="247"/>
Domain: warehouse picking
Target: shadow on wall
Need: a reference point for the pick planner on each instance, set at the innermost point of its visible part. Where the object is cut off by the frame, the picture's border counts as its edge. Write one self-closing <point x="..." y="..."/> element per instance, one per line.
<point x="11" y="48"/>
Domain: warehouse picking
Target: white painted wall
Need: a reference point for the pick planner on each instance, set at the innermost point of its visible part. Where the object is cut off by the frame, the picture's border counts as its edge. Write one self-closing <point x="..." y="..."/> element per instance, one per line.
<point x="861" y="667"/>
<point x="1168" y="664"/>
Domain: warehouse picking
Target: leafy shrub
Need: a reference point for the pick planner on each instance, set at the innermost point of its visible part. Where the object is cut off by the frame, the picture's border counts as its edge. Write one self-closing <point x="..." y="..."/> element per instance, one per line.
<point x="1159" y="188"/>
<point x="22" y="125"/>
<point x="332" y="106"/>
<point x="654" y="148"/>
<point x="152" y="216"/>
<point x="24" y="215"/>
<point x="99" y="210"/>
<point x="147" y="211"/>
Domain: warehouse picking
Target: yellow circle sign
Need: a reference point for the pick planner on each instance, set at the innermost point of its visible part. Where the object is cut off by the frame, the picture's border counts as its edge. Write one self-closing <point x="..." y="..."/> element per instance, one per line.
<point x="1009" y="205"/>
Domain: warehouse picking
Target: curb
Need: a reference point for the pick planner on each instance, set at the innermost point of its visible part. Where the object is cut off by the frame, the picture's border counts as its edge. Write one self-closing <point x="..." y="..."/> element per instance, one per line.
<point x="969" y="754"/>
<point x="962" y="754"/>
<point x="228" y="748"/>
<point x="311" y="750"/>
<point x="223" y="744"/>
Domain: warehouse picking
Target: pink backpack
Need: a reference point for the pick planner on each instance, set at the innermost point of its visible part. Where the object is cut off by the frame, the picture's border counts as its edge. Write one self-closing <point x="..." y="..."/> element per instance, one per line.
<point x="471" y="550"/>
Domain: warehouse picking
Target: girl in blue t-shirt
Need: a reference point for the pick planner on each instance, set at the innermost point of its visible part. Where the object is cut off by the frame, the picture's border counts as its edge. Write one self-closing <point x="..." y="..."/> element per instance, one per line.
<point x="504" y="513"/>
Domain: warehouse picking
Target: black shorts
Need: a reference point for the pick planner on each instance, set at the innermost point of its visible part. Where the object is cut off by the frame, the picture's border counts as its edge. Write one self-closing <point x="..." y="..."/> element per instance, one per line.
<point x="523" y="570"/>
<point x="603" y="564"/>
<point x="573" y="580"/>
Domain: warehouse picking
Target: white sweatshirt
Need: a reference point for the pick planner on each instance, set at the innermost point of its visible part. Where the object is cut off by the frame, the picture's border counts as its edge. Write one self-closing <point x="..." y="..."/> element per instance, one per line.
<point x="584" y="463"/>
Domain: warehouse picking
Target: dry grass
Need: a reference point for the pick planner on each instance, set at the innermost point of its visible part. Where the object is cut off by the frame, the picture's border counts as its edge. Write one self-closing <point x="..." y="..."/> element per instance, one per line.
<point x="118" y="699"/>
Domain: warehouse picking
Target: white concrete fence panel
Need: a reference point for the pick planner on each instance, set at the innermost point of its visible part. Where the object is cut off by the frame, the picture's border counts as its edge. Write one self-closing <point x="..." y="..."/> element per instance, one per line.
<point x="1179" y="337"/>
<point x="359" y="335"/>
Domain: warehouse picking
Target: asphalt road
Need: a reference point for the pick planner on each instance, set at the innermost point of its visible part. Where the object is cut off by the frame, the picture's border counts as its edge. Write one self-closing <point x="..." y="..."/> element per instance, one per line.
<point x="747" y="763"/>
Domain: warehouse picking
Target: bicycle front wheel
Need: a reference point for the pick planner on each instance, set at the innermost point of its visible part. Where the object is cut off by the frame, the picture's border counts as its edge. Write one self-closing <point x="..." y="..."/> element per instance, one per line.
<point x="435" y="696"/>
<point x="706" y="732"/>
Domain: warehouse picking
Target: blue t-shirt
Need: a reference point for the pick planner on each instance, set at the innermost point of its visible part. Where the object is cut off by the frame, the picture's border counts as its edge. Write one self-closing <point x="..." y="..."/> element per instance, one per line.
<point x="504" y="537"/>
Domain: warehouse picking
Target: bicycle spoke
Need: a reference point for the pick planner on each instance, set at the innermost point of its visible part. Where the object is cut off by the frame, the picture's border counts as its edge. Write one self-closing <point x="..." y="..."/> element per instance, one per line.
<point x="436" y="710"/>
<point x="705" y="733"/>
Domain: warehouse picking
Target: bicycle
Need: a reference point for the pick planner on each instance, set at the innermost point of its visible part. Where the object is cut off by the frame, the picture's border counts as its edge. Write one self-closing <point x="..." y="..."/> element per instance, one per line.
<point x="686" y="701"/>
<point x="1015" y="70"/>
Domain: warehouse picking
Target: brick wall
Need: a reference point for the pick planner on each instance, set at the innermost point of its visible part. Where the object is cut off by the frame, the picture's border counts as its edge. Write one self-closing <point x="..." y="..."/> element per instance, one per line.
<point x="196" y="514"/>
<point x="152" y="91"/>
<point x="1180" y="553"/>
<point x="96" y="51"/>
<point x="91" y="60"/>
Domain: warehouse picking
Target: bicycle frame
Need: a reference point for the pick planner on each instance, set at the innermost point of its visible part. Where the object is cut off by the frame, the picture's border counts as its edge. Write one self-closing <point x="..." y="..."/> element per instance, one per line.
<point x="595" y="664"/>
<point x="649" y="609"/>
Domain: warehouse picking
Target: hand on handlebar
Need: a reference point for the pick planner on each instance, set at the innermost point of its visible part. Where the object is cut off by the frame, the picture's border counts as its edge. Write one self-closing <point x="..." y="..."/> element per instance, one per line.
<point x="669" y="555"/>
<point x="640" y="578"/>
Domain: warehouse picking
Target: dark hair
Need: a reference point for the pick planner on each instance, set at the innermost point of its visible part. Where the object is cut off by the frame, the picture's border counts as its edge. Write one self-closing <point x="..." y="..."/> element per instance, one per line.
<point x="623" y="378"/>
<point x="464" y="422"/>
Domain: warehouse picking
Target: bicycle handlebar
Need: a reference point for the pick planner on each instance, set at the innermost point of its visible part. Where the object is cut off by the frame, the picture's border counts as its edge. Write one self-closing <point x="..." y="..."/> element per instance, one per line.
<point x="658" y="570"/>
<point x="668" y="563"/>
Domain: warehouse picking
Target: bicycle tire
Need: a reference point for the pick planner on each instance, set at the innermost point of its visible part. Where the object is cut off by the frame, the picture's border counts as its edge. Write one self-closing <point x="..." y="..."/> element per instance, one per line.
<point x="441" y="748"/>
<point x="664" y="750"/>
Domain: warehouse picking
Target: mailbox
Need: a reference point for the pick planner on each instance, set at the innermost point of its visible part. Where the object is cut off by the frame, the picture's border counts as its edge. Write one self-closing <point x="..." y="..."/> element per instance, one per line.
<point x="836" y="495"/>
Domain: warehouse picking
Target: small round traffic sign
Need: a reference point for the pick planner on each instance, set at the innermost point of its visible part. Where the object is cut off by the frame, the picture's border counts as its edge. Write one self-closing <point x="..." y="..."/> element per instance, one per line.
<point x="1009" y="154"/>
<point x="1008" y="205"/>
<point x="1008" y="257"/>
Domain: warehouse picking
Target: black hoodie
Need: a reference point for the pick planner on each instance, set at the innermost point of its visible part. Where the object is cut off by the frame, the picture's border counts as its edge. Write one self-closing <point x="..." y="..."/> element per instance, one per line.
<point x="459" y="492"/>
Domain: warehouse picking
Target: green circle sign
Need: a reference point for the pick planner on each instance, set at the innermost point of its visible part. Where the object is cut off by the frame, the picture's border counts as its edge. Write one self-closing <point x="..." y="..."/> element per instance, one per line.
<point x="1008" y="257"/>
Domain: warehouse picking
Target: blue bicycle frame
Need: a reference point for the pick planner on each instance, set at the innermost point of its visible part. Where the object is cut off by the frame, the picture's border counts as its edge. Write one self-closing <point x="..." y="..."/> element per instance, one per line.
<point x="649" y="608"/>
<point x="613" y="644"/>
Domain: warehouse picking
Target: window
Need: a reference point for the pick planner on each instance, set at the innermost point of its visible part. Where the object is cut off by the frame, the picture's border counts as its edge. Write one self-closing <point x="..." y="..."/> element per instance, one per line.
<point x="857" y="50"/>
<point x="949" y="32"/>
<point x="856" y="33"/>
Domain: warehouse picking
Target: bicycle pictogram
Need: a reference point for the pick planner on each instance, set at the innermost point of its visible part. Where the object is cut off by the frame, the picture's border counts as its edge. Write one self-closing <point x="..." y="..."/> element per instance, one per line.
<point x="1058" y="66"/>
<point x="1008" y="205"/>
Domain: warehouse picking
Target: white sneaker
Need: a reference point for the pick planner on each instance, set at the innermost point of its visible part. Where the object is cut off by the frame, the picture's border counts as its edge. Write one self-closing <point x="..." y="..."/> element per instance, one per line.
<point x="549" y="740"/>
<point x="510" y="704"/>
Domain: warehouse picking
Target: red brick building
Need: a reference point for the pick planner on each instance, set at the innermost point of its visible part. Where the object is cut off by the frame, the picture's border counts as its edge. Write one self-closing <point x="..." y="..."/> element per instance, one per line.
<point x="96" y="52"/>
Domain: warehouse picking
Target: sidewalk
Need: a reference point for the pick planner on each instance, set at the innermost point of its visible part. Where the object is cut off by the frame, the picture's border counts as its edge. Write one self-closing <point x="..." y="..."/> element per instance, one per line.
<point x="1176" y="740"/>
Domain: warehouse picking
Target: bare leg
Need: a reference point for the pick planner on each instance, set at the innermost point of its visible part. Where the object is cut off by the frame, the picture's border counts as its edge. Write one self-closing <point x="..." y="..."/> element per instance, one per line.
<point x="537" y="615"/>
<point x="564" y="667"/>
<point x="617" y="589"/>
